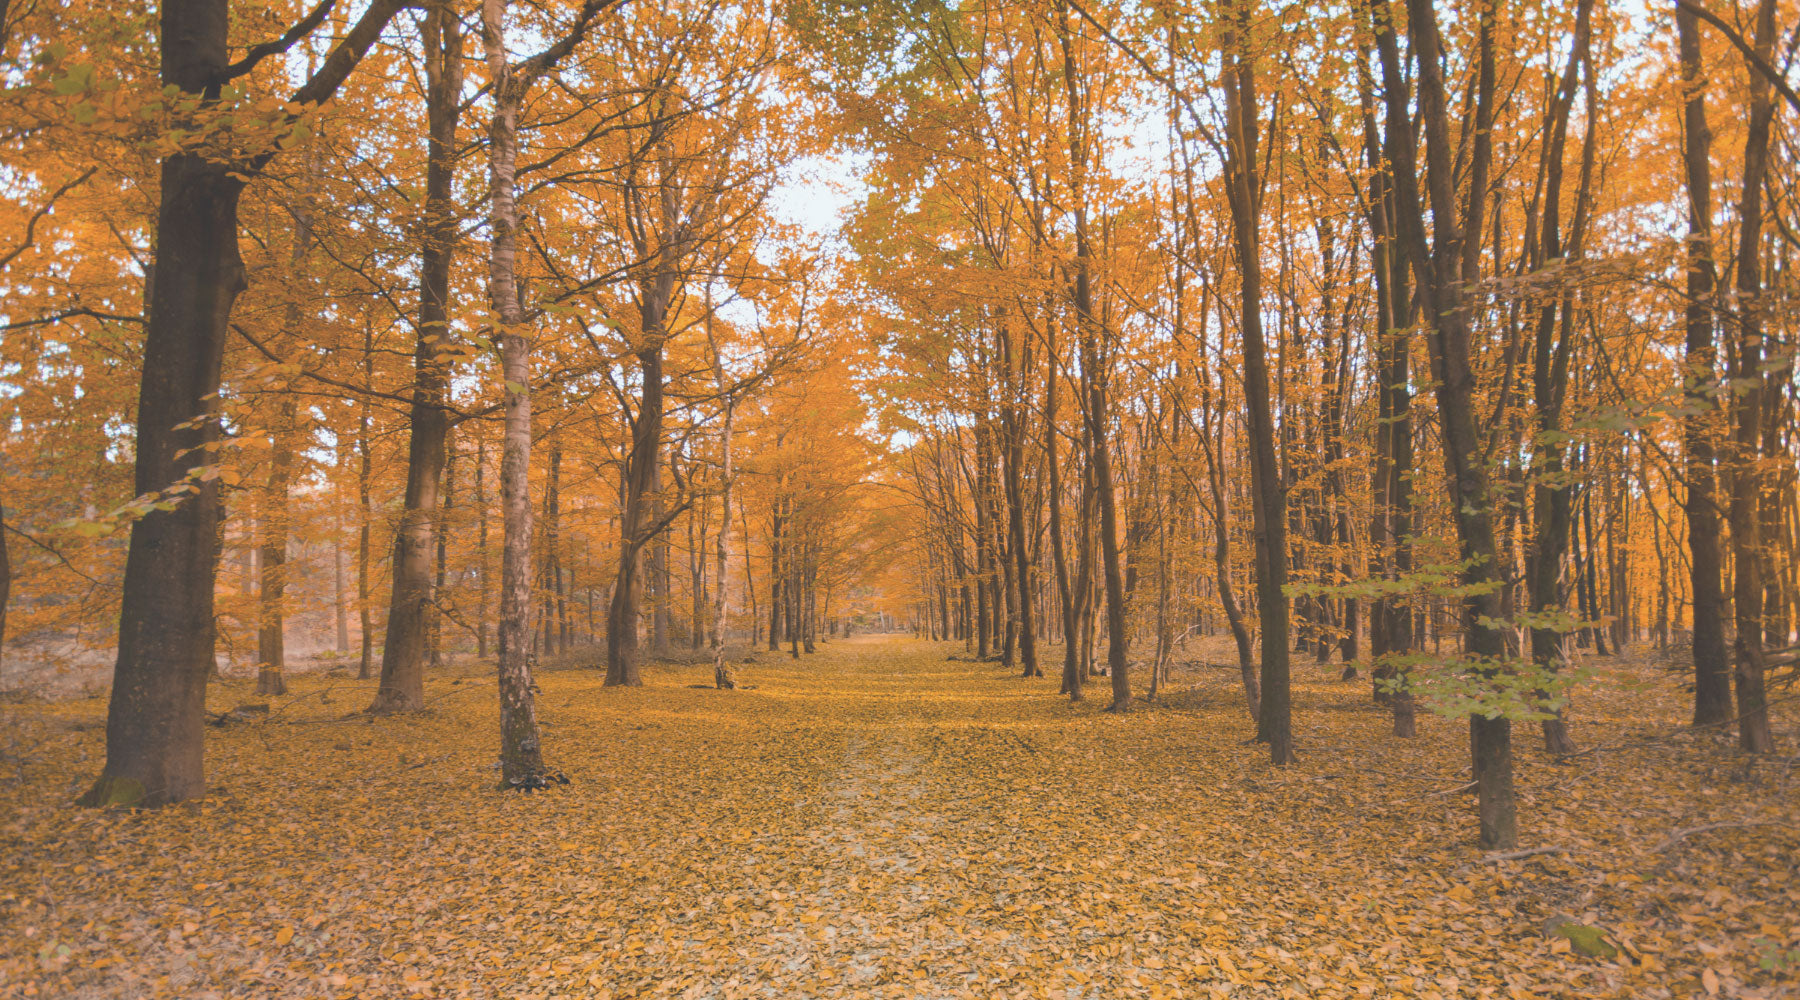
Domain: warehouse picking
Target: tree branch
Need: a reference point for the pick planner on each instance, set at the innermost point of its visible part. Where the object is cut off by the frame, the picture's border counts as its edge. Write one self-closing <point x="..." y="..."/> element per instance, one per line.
<point x="1732" y="35"/>
<point x="306" y="26"/>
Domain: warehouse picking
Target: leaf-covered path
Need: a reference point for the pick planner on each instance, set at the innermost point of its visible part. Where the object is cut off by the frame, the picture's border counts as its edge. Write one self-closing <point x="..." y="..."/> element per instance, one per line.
<point x="878" y="820"/>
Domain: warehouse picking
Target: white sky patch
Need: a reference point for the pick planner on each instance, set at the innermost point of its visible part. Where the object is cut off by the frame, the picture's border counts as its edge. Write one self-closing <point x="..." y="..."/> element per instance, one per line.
<point x="818" y="193"/>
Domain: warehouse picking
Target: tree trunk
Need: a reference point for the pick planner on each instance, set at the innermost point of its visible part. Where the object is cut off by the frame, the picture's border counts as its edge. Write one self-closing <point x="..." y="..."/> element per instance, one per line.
<point x="155" y="716"/>
<point x="406" y="646"/>
<point x="639" y="524"/>
<point x="521" y="750"/>
<point x="481" y="545"/>
<point x="340" y="606"/>
<point x="1748" y="387"/>
<point x="271" y="651"/>
<point x="1551" y="353"/>
<point x="721" y="671"/>
<point x="1438" y="268"/>
<point x="365" y="512"/>
<point x="1269" y="508"/>
<point x="1071" y="630"/>
<point x="5" y="582"/>
<point x="1094" y="376"/>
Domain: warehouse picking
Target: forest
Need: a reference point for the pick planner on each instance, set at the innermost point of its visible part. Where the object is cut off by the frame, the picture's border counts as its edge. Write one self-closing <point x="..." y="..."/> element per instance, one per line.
<point x="917" y="498"/>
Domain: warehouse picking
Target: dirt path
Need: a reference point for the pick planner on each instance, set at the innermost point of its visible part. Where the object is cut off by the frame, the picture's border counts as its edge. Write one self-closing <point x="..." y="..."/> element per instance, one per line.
<point x="879" y="821"/>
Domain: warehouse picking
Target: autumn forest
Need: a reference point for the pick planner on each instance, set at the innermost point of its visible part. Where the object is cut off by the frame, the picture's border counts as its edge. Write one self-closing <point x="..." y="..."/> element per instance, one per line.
<point x="924" y="498"/>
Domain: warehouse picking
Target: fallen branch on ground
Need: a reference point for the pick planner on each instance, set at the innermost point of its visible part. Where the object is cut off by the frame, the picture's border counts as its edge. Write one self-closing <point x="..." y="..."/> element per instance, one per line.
<point x="1528" y="852"/>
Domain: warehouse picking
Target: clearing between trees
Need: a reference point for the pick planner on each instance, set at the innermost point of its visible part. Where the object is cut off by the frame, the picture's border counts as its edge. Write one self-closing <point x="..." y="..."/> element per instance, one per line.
<point x="880" y="820"/>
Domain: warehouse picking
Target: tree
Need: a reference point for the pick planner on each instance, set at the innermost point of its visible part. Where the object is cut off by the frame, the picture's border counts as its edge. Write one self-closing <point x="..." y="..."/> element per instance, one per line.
<point x="1712" y="677"/>
<point x="403" y="652"/>
<point x="154" y="717"/>
<point x="1269" y="507"/>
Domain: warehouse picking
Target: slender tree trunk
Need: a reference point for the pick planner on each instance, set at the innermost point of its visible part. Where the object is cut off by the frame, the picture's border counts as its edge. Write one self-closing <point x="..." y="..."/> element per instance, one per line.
<point x="365" y="513"/>
<point x="1212" y="443"/>
<point x="1551" y="353"/>
<point x="5" y="582"/>
<point x="1754" y="734"/>
<point x="521" y="749"/>
<point x="1437" y="266"/>
<point x="340" y="606"/>
<point x="721" y="671"/>
<point x="1071" y="630"/>
<point x="775" y="598"/>
<point x="550" y="615"/>
<point x="271" y="651"/>
<point x="481" y="545"/>
<point x="1270" y="507"/>
<point x="1094" y="374"/>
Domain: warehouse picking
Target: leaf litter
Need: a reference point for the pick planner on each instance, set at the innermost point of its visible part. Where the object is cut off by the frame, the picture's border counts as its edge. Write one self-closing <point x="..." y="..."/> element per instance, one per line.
<point x="880" y="821"/>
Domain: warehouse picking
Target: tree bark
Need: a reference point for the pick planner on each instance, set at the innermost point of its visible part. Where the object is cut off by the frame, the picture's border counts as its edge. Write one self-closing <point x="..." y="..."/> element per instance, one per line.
<point x="641" y="481"/>
<point x="271" y="651"/>
<point x="1754" y="734"/>
<point x="1437" y="266"/>
<point x="1551" y="352"/>
<point x="521" y="749"/>
<point x="365" y="512"/>
<point x="405" y="647"/>
<point x="1071" y="629"/>
<point x="1274" y="723"/>
<point x="1094" y="376"/>
<point x="166" y="638"/>
<point x="721" y="671"/>
<point x="5" y="582"/>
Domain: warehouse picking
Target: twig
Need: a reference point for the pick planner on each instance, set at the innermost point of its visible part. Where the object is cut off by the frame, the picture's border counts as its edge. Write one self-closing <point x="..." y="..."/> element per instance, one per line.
<point x="1680" y="835"/>
<point x="1450" y="791"/>
<point x="1529" y="852"/>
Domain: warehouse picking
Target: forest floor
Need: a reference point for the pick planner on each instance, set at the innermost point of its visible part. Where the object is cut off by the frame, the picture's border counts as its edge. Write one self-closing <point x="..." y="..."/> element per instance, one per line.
<point x="878" y="820"/>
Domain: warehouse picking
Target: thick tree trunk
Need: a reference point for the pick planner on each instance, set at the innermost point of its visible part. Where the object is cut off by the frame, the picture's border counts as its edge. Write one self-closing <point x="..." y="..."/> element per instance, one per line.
<point x="1013" y="475"/>
<point x="156" y="713"/>
<point x="637" y="523"/>
<point x="166" y="638"/>
<point x="405" y="648"/>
